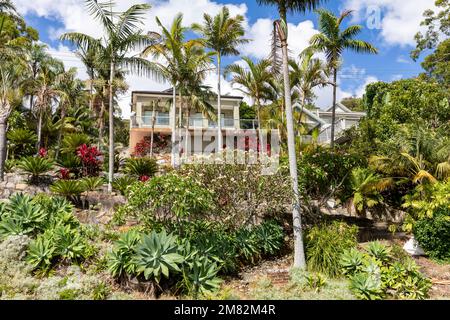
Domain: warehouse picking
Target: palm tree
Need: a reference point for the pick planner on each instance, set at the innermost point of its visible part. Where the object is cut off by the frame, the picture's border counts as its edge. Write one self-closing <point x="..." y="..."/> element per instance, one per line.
<point x="36" y="57"/>
<point x="306" y="75"/>
<point x="282" y="34"/>
<point x="253" y="80"/>
<point x="44" y="88"/>
<point x="122" y="35"/>
<point x="10" y="95"/>
<point x="88" y="57"/>
<point x="6" y="8"/>
<point x="168" y="47"/>
<point x="70" y="90"/>
<point x="223" y="34"/>
<point x="194" y="67"/>
<point x="367" y="187"/>
<point x="332" y="41"/>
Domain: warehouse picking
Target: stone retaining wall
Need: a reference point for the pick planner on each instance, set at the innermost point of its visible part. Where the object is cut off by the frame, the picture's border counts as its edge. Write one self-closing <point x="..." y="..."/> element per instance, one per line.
<point x="16" y="183"/>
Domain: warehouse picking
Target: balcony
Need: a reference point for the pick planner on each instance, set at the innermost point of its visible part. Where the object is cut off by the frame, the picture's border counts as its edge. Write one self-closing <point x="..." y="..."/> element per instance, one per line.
<point x="164" y="121"/>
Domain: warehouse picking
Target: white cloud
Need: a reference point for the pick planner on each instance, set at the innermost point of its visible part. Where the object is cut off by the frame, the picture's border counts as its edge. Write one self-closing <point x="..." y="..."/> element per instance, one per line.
<point x="261" y="34"/>
<point x="403" y="59"/>
<point x="399" y="20"/>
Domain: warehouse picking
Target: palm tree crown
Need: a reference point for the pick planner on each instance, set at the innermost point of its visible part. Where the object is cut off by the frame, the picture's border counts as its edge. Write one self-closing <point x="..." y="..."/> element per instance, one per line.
<point x="332" y="41"/>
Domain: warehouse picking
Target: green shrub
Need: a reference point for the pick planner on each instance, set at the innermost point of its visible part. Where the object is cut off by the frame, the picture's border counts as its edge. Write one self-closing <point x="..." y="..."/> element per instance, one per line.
<point x="325" y="245"/>
<point x="71" y="162"/>
<point x="71" y="189"/>
<point x="167" y="198"/>
<point x="433" y="235"/>
<point x="242" y="194"/>
<point x="269" y="237"/>
<point x="375" y="274"/>
<point x="21" y="142"/>
<point x="9" y="165"/>
<point x="72" y="141"/>
<point x="141" y="167"/>
<point x="121" y="184"/>
<point x="101" y="291"/>
<point x="92" y="183"/>
<point x="35" y="167"/>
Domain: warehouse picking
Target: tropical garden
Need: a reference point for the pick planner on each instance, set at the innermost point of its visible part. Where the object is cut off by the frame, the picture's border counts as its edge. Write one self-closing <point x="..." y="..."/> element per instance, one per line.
<point x="81" y="218"/>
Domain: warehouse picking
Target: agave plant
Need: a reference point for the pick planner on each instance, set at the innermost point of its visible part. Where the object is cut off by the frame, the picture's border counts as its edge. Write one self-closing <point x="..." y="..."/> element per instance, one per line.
<point x="366" y="286"/>
<point x="352" y="261"/>
<point x="68" y="242"/>
<point x="40" y="253"/>
<point x="158" y="255"/>
<point x="202" y="278"/>
<point x="379" y="251"/>
<point x="35" y="167"/>
<point x="120" y="259"/>
<point x="141" y="167"/>
<point x="21" y="216"/>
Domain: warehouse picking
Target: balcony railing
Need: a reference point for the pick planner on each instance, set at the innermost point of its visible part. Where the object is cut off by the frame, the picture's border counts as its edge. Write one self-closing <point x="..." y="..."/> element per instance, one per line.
<point x="194" y="122"/>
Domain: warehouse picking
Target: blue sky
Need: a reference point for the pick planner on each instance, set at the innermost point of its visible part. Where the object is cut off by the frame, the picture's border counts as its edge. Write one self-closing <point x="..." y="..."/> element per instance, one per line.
<point x="389" y="25"/>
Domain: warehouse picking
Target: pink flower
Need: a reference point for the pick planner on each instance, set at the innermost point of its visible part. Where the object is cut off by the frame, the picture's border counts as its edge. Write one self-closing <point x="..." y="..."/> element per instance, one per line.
<point x="43" y="152"/>
<point x="144" y="178"/>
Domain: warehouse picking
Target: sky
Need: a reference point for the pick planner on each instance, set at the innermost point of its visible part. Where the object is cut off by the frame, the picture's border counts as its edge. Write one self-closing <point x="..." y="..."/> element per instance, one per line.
<point x="390" y="25"/>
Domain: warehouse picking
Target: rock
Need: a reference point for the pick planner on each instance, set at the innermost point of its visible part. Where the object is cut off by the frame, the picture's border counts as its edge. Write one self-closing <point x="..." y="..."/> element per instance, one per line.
<point x="413" y="247"/>
<point x="21" y="186"/>
<point x="10" y="185"/>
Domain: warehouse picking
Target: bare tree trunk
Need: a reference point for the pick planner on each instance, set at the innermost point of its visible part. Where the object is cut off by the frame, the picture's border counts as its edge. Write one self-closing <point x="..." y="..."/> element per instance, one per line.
<point x="153" y="130"/>
<point x="39" y="132"/>
<point x="91" y="98"/>
<point x="299" y="254"/>
<point x="58" y="145"/>
<point x="219" y="108"/>
<point x="173" y="115"/>
<point x="333" y="114"/>
<point x="186" y="143"/>
<point x="111" y="129"/>
<point x="2" y="147"/>
<point x="101" y="124"/>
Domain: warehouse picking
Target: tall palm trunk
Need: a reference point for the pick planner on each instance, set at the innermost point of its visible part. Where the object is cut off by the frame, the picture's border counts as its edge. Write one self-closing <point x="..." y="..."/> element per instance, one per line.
<point x="2" y="146"/>
<point x="219" y="107"/>
<point x="186" y="143"/>
<point x="111" y="129"/>
<point x="39" y="131"/>
<point x="152" y="137"/>
<point x="173" y="116"/>
<point x="91" y="95"/>
<point x="299" y="254"/>
<point x="60" y="131"/>
<point x="333" y="114"/>
<point x="101" y="123"/>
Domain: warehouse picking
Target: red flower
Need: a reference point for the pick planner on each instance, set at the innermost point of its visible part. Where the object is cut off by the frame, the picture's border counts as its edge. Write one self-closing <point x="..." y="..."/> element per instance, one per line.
<point x="64" y="174"/>
<point x="144" y="178"/>
<point x="89" y="157"/>
<point x="43" y="152"/>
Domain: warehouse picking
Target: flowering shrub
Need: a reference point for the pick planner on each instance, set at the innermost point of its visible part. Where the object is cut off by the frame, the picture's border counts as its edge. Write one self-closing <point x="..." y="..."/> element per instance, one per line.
<point x="143" y="147"/>
<point x="243" y="195"/>
<point x="89" y="157"/>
